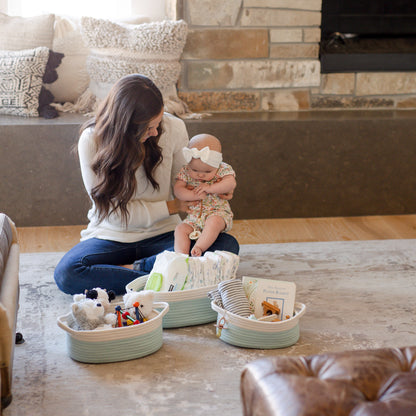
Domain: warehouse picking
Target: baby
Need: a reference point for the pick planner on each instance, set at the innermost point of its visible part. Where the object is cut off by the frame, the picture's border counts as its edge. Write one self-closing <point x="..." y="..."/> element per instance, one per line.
<point x="208" y="181"/>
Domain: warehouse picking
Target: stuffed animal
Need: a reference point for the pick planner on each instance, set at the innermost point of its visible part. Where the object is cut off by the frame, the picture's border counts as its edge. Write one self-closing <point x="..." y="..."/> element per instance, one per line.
<point x="101" y="295"/>
<point x="139" y="304"/>
<point x="88" y="314"/>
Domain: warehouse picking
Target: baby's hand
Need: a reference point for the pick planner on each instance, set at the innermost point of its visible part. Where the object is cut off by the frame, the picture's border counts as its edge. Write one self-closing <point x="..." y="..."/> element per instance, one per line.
<point x="227" y="196"/>
<point x="202" y="189"/>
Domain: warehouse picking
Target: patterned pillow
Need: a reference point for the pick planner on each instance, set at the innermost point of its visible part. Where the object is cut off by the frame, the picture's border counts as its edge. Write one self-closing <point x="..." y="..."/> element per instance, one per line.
<point x="22" y="33"/>
<point x="116" y="49"/>
<point x="21" y="73"/>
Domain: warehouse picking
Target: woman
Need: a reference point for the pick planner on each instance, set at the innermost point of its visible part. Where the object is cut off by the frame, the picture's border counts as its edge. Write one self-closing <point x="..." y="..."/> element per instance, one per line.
<point x="129" y="155"/>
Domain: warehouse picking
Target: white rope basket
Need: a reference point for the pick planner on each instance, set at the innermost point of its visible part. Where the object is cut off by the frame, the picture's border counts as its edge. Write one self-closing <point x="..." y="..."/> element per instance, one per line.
<point x="116" y="344"/>
<point x="186" y="307"/>
<point x="244" y="332"/>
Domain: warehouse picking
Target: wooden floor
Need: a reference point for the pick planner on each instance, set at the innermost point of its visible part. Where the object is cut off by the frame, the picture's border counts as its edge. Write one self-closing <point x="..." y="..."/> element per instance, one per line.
<point x="46" y="239"/>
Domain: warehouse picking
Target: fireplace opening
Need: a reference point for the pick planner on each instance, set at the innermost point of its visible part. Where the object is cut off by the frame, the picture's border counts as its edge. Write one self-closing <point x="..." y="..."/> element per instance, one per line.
<point x="368" y="35"/>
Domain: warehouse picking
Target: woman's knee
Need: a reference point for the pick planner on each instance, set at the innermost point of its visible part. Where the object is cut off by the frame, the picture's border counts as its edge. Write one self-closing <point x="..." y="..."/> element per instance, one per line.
<point x="227" y="242"/>
<point x="232" y="243"/>
<point x="65" y="276"/>
<point x="61" y="278"/>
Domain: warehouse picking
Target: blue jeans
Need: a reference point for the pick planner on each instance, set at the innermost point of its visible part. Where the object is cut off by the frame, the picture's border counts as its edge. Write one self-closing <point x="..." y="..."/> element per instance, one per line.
<point x="96" y="263"/>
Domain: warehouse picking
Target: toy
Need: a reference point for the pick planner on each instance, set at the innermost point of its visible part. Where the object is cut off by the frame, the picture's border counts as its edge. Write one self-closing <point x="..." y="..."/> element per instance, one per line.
<point x="101" y="295"/>
<point x="270" y="308"/>
<point x="139" y="304"/>
<point x="124" y="318"/>
<point x="88" y="314"/>
<point x="118" y="314"/>
<point x="129" y="319"/>
<point x="104" y="296"/>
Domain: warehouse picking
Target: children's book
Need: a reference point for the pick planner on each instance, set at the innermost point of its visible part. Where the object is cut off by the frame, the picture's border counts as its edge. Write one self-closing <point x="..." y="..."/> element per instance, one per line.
<point x="267" y="296"/>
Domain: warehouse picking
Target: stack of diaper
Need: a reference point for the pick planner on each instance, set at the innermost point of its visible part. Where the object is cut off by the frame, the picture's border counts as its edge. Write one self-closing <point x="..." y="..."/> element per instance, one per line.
<point x="174" y="271"/>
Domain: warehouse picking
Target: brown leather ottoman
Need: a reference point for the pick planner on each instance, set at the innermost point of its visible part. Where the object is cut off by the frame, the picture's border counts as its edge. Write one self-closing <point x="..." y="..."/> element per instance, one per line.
<point x="378" y="382"/>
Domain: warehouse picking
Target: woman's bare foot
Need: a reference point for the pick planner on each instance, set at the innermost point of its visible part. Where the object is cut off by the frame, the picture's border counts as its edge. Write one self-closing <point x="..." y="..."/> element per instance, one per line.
<point x="196" y="251"/>
<point x="127" y="266"/>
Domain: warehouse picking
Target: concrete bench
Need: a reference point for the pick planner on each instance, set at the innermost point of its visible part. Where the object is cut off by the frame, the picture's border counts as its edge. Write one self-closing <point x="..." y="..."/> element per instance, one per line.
<point x="294" y="164"/>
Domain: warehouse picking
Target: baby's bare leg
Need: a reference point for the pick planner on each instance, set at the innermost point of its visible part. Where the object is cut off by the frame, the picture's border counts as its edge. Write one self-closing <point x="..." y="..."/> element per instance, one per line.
<point x="182" y="241"/>
<point x="213" y="226"/>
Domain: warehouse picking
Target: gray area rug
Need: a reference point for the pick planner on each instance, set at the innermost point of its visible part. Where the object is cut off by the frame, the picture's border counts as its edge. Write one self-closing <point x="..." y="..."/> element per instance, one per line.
<point x="358" y="295"/>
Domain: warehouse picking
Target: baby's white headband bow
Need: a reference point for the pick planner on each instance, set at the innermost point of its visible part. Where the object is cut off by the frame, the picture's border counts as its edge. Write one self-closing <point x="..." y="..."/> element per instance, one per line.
<point x="208" y="156"/>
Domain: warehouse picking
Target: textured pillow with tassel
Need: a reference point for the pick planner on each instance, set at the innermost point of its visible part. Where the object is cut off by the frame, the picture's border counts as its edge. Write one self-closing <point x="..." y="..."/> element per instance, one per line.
<point x="152" y="49"/>
<point x="22" y="74"/>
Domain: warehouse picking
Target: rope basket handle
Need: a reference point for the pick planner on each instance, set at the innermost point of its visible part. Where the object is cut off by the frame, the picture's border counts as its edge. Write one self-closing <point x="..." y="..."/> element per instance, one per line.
<point x="221" y="324"/>
<point x="161" y="305"/>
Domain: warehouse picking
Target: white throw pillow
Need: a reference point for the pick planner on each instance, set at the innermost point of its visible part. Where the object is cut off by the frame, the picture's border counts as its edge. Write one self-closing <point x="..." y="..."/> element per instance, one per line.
<point x="18" y="33"/>
<point x="73" y="78"/>
<point x="21" y="74"/>
<point x="116" y="49"/>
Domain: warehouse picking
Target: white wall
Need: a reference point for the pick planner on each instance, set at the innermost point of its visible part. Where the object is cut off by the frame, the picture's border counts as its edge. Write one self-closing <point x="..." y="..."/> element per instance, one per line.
<point x="155" y="9"/>
<point x="3" y="6"/>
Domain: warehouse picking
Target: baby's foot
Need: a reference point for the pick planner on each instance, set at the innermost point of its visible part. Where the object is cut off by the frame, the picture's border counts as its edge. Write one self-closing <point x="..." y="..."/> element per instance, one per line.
<point x="196" y="251"/>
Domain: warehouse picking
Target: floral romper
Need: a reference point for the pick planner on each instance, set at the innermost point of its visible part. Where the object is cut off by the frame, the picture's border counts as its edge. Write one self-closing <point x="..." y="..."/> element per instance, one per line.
<point x="212" y="204"/>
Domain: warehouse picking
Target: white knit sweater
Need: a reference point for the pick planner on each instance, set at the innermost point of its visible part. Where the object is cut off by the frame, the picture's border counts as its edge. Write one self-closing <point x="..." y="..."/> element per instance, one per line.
<point x="148" y="210"/>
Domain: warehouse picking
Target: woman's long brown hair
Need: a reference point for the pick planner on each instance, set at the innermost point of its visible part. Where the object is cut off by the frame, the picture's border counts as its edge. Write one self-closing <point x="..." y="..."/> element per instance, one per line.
<point x="121" y="120"/>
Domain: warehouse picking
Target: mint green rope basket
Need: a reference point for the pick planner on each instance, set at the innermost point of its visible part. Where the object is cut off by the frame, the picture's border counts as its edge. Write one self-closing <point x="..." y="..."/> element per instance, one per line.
<point x="186" y="307"/>
<point x="115" y="344"/>
<point x="243" y="332"/>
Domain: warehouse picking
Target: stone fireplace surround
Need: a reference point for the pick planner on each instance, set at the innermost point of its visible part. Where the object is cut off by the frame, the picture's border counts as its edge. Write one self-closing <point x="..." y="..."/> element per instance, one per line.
<point x="263" y="55"/>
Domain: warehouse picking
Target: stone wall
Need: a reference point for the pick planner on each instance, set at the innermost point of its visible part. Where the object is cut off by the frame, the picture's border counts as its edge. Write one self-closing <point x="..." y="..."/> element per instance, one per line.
<point x="263" y="55"/>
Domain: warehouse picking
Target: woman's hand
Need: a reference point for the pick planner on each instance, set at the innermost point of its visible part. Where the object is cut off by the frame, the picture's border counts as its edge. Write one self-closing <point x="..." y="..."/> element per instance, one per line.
<point x="176" y="205"/>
